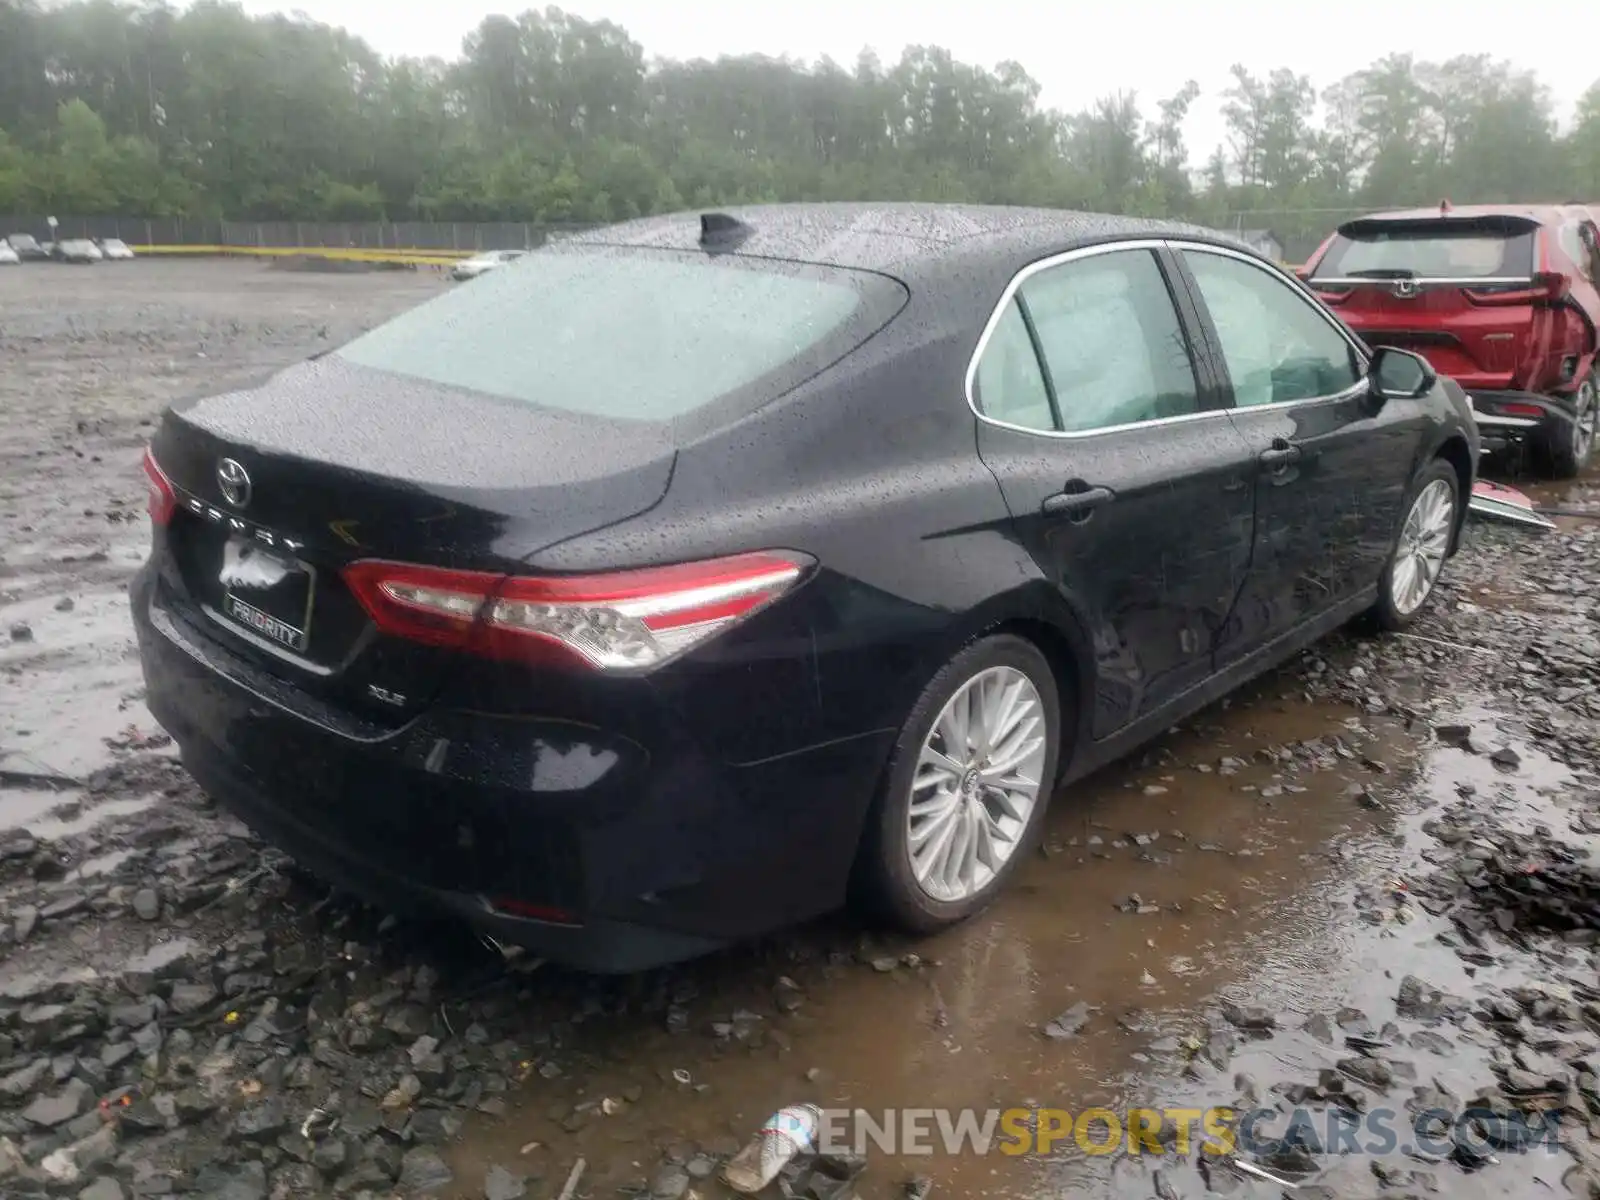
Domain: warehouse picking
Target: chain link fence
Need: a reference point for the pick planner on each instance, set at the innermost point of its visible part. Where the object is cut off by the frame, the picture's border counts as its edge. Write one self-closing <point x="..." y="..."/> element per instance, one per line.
<point x="1297" y="231"/>
<point x="464" y="237"/>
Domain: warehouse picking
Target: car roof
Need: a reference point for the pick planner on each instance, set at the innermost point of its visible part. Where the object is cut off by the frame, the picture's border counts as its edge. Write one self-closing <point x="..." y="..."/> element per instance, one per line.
<point x="896" y="238"/>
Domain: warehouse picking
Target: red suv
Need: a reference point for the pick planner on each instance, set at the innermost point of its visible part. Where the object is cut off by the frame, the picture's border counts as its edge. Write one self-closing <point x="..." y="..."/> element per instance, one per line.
<point x="1501" y="297"/>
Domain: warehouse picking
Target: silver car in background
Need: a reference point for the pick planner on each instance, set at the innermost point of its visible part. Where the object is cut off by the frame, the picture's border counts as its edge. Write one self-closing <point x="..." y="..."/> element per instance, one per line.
<point x="478" y="264"/>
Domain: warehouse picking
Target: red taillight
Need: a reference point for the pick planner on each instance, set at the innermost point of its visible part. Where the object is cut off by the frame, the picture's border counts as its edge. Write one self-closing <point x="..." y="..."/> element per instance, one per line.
<point x="1545" y="285"/>
<point x="1522" y="410"/>
<point x="162" y="498"/>
<point x="618" y="621"/>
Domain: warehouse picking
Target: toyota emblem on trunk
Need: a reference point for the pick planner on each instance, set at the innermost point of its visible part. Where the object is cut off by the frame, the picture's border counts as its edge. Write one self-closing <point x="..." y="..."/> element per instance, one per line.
<point x="1406" y="288"/>
<point x="234" y="481"/>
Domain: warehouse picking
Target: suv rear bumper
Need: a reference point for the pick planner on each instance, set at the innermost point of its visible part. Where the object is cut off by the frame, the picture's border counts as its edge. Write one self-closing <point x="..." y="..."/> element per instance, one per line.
<point x="1501" y="424"/>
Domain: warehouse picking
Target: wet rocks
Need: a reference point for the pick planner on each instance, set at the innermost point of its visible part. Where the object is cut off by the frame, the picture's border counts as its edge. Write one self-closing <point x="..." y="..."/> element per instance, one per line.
<point x="245" y="1181"/>
<point x="501" y="1184"/>
<point x="1419" y="999"/>
<point x="330" y="1156"/>
<point x="1070" y="1023"/>
<point x="1251" y="1019"/>
<point x="261" y="1122"/>
<point x="1375" y="1073"/>
<point x="669" y="1183"/>
<point x="24" y="1080"/>
<point x="423" y="1172"/>
<point x="146" y="904"/>
<point x="192" y="997"/>
<point x="1506" y="758"/>
<point x="57" y="1108"/>
<point x="1320" y="1026"/>
<point x="787" y="996"/>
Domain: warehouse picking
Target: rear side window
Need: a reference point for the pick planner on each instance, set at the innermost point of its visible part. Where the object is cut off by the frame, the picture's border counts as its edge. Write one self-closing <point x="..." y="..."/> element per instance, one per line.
<point x="1113" y="348"/>
<point x="1010" y="386"/>
<point x="1428" y="252"/>
<point x="634" y="334"/>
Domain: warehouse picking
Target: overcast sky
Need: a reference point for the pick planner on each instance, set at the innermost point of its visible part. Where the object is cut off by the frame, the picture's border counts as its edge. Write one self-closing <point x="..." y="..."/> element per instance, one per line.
<point x="1076" y="52"/>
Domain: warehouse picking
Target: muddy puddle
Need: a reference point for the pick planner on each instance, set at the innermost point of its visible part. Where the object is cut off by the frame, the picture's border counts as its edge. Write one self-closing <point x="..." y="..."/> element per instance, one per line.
<point x="1225" y="864"/>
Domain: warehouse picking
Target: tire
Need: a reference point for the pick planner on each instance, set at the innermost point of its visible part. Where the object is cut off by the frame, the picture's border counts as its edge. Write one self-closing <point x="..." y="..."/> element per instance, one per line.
<point x="891" y="877"/>
<point x="1564" y="449"/>
<point x="1393" y="611"/>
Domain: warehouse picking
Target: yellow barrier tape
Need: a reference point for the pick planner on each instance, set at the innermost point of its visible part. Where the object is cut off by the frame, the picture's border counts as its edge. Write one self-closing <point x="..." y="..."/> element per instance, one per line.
<point x="348" y="254"/>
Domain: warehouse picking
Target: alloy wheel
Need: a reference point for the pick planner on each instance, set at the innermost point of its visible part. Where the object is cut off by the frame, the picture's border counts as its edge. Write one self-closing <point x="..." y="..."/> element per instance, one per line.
<point x="976" y="784"/>
<point x="1424" y="540"/>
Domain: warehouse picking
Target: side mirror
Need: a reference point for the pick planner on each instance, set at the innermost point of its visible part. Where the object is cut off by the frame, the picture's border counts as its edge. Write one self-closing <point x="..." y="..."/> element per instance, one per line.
<point x="1399" y="374"/>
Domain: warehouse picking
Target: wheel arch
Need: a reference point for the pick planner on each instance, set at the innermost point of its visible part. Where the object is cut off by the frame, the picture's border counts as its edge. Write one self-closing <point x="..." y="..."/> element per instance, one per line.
<point x="1041" y="615"/>
<point x="1455" y="450"/>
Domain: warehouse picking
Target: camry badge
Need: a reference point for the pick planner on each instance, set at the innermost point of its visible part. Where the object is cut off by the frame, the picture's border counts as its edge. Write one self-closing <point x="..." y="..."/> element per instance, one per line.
<point x="234" y="481"/>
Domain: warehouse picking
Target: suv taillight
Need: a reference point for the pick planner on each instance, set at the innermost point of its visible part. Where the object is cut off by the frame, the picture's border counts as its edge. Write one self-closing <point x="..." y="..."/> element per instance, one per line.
<point x="620" y="621"/>
<point x="162" y="498"/>
<point x="1549" y="286"/>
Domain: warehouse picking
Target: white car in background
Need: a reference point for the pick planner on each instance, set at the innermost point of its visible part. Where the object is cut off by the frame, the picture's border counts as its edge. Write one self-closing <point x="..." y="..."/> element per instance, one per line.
<point x="115" y="250"/>
<point x="76" y="250"/>
<point x="8" y="256"/>
<point x="471" y="268"/>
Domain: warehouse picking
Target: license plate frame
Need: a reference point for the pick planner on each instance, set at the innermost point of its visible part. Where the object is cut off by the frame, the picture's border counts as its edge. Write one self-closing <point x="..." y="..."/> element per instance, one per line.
<point x="284" y="619"/>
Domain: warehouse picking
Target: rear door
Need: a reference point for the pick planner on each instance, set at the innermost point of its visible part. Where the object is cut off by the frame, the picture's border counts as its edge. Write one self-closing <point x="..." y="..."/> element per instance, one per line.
<point x="1331" y="466"/>
<point x="1127" y="484"/>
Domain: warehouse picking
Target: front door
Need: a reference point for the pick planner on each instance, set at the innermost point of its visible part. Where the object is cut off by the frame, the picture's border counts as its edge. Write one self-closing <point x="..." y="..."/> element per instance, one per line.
<point x="1127" y="484"/>
<point x="1331" y="463"/>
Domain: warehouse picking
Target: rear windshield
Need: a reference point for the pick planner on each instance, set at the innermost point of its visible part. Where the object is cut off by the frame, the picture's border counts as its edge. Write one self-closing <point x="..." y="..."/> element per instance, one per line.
<point x="1427" y="253"/>
<point x="634" y="334"/>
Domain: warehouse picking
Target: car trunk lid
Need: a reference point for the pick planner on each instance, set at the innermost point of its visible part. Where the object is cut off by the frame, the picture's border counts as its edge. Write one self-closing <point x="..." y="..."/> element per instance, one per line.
<point x="279" y="488"/>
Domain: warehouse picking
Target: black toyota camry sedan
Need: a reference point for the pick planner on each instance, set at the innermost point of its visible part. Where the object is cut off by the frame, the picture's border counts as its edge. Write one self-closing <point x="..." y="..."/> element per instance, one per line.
<point x="678" y="582"/>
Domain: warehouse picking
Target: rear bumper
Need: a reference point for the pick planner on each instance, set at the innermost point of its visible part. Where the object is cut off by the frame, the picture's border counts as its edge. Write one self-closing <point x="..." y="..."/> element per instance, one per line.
<point x="1503" y="417"/>
<point x="633" y="854"/>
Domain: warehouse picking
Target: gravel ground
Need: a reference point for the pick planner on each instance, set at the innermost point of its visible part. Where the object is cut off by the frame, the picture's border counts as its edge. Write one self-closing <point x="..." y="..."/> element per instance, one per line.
<point x="1363" y="884"/>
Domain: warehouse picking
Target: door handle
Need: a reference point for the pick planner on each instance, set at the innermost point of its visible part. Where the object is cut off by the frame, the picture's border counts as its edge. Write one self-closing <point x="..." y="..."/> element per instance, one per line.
<point x="1078" y="503"/>
<point x="1279" y="455"/>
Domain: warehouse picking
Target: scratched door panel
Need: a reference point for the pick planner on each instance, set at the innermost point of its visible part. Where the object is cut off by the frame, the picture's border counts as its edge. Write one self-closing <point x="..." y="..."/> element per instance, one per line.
<point x="1152" y="575"/>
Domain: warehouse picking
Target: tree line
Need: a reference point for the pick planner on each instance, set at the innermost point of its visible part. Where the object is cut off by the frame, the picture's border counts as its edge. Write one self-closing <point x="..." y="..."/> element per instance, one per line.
<point x="141" y="109"/>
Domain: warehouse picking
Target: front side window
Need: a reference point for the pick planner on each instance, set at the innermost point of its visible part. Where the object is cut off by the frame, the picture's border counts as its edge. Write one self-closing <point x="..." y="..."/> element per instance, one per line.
<point x="1276" y="345"/>
<point x="1114" y="352"/>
